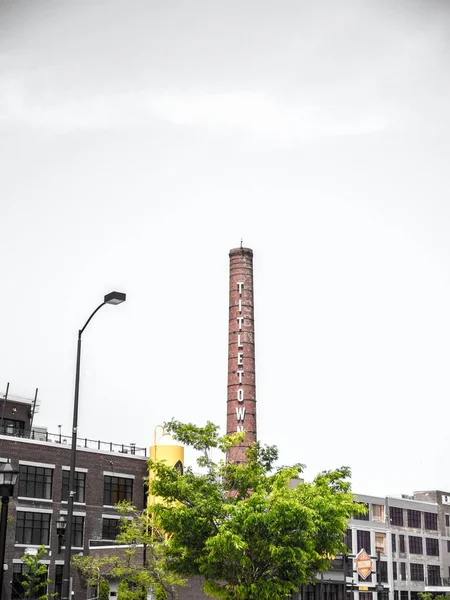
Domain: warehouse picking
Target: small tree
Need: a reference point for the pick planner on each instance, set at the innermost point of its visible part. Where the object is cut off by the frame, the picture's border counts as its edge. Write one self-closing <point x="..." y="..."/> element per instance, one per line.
<point x="103" y="589"/>
<point x="244" y="528"/>
<point x="136" y="574"/>
<point x="35" y="580"/>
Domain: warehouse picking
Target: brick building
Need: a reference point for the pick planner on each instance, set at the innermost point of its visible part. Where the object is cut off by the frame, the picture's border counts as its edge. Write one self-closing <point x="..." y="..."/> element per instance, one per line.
<point x="105" y="474"/>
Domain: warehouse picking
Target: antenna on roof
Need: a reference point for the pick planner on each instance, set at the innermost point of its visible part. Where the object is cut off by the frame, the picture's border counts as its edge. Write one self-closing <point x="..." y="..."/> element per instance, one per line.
<point x="242" y="241"/>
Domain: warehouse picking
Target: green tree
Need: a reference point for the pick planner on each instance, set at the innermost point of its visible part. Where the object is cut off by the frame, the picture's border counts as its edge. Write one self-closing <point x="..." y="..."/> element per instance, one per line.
<point x="35" y="580"/>
<point x="247" y="529"/>
<point x="140" y="566"/>
<point x="103" y="589"/>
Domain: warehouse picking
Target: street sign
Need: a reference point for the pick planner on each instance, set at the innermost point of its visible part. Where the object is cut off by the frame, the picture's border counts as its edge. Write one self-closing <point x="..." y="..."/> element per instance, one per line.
<point x="363" y="564"/>
<point x="363" y="588"/>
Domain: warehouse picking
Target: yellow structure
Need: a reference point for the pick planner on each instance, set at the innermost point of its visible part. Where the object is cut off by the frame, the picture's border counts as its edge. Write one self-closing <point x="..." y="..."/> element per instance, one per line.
<point x="164" y="448"/>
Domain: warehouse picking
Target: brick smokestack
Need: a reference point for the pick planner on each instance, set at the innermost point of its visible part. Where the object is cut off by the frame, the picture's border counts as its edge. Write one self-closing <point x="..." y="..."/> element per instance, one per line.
<point x="241" y="401"/>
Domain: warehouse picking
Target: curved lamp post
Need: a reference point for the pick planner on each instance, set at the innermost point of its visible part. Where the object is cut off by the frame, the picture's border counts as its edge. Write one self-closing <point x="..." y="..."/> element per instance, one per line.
<point x="111" y="298"/>
<point x="8" y="478"/>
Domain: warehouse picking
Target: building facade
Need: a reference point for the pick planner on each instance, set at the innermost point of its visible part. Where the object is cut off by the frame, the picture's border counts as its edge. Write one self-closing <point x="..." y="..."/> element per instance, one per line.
<point x="106" y="473"/>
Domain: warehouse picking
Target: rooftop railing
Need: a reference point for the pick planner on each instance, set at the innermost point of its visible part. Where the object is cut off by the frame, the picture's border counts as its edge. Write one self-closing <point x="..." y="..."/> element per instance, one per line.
<point x="43" y="436"/>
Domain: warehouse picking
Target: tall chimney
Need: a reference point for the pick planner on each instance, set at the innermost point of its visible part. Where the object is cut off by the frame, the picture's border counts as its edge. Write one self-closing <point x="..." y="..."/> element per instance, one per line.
<point x="241" y="402"/>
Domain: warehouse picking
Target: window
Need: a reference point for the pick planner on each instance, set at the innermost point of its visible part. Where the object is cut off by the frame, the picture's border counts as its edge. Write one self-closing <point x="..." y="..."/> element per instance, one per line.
<point x="110" y="529"/>
<point x="77" y="531"/>
<point x="402" y="543"/>
<point x="430" y="520"/>
<point x="415" y="545"/>
<point x="80" y="486"/>
<point x="394" y="545"/>
<point x="18" y="589"/>
<point x="403" y="571"/>
<point x="363" y="541"/>
<point x="448" y="545"/>
<point x="58" y="579"/>
<point x="414" y="520"/>
<point x="447" y="520"/>
<point x="348" y="540"/>
<point x="35" y="482"/>
<point x="383" y="571"/>
<point x="395" y="594"/>
<point x="32" y="528"/>
<point x="380" y="543"/>
<point x="13" y="427"/>
<point x="117" y="489"/>
<point x="364" y="517"/>
<point x="394" y="570"/>
<point x="396" y="515"/>
<point x="378" y="512"/>
<point x="404" y="595"/>
<point x="432" y="546"/>
<point x="434" y="575"/>
<point x="417" y="572"/>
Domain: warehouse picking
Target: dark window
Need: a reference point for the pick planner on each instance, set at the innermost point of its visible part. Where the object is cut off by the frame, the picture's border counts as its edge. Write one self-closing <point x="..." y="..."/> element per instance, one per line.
<point x="432" y="546"/>
<point x="110" y="529"/>
<point x="394" y="569"/>
<point x="403" y="571"/>
<point x="448" y="545"/>
<point x="447" y="520"/>
<point x="363" y="540"/>
<point x="396" y="515"/>
<point x="402" y="543"/>
<point x="395" y="594"/>
<point x="415" y="545"/>
<point x="414" y="595"/>
<point x="13" y="427"/>
<point x="32" y="528"/>
<point x="383" y="571"/>
<point x="434" y="575"/>
<point x="416" y="572"/>
<point x="80" y="486"/>
<point x="394" y="545"/>
<point x="77" y="531"/>
<point x="403" y="595"/>
<point x="58" y="579"/>
<point x="414" y="520"/>
<point x="430" y="521"/>
<point x="35" y="482"/>
<point x="364" y="517"/>
<point x="117" y="489"/>
<point x="18" y="589"/>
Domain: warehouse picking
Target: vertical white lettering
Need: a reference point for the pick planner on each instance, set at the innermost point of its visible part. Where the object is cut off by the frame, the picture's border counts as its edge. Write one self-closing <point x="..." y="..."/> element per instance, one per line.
<point x="240" y="395"/>
<point x="239" y="374"/>
<point x="240" y="286"/>
<point x="239" y="428"/>
<point x="240" y="413"/>
<point x="240" y="305"/>
<point x="240" y="358"/>
<point x="240" y="344"/>
<point x="239" y="320"/>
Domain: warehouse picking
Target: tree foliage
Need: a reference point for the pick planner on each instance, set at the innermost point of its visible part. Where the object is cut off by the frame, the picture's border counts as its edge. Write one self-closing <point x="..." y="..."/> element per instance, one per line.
<point x="140" y="566"/>
<point x="35" y="580"/>
<point x="245" y="528"/>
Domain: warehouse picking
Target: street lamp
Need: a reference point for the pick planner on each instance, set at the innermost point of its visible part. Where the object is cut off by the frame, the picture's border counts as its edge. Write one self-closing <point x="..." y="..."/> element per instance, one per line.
<point x="111" y="298"/>
<point x="8" y="478"/>
<point x="60" y="530"/>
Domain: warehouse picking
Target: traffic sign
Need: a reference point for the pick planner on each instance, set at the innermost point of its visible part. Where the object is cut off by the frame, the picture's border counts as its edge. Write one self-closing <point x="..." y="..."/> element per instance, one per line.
<point x="363" y="564"/>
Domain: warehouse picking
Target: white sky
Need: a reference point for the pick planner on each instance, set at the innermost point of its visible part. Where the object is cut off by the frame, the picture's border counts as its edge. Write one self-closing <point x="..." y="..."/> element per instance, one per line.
<point x="141" y="139"/>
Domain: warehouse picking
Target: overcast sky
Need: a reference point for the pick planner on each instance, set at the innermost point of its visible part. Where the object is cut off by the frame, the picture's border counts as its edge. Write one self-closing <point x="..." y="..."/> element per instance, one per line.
<point x="140" y="140"/>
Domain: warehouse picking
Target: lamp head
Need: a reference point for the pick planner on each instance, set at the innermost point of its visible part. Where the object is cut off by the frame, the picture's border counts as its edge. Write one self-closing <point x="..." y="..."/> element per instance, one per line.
<point x="8" y="478"/>
<point x="61" y="525"/>
<point x="115" y="298"/>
